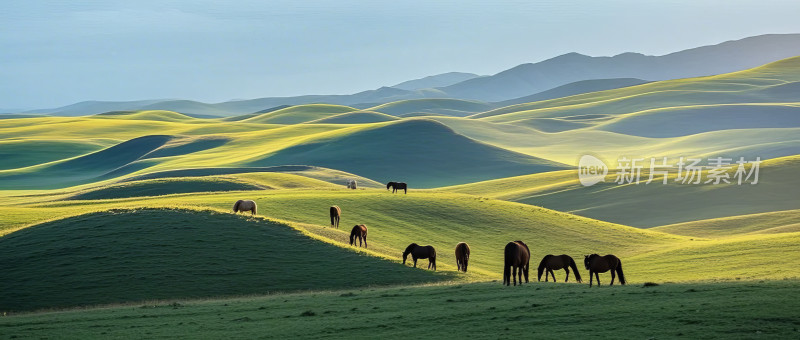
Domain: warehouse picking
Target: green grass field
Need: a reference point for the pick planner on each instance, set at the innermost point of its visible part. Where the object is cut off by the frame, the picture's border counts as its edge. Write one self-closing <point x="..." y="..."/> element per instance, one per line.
<point x="477" y="310"/>
<point x="119" y="224"/>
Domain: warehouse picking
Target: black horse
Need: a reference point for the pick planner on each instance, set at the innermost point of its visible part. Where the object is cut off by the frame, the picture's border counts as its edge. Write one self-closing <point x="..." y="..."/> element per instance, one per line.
<point x="420" y="252"/>
<point x="397" y="186"/>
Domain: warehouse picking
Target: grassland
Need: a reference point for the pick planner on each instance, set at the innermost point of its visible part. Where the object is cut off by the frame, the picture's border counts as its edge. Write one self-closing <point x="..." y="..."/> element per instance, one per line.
<point x="133" y="206"/>
<point x="625" y="203"/>
<point x="136" y="255"/>
<point x="478" y="310"/>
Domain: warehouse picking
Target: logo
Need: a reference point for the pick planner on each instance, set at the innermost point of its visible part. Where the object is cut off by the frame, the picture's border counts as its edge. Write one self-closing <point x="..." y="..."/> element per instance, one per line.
<point x="591" y="170"/>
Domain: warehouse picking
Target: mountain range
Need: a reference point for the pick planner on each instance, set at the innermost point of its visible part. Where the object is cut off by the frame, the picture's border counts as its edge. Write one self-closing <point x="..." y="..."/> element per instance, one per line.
<point x="523" y="83"/>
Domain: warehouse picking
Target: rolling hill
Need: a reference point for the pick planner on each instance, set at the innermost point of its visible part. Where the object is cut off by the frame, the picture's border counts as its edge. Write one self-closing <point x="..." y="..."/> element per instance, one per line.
<point x="136" y="255"/>
<point x="449" y="107"/>
<point x="574" y="88"/>
<point x="632" y="204"/>
<point x="773" y="222"/>
<point x="410" y="151"/>
<point x="754" y="85"/>
<point x="299" y="114"/>
<point x="355" y="117"/>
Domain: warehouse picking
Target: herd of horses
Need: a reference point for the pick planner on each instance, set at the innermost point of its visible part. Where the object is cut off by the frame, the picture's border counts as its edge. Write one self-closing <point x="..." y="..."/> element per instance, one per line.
<point x="516" y="254"/>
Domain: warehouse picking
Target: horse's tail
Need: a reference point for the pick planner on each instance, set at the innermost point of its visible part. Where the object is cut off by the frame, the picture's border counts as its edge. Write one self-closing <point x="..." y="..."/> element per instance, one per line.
<point x="333" y="217"/>
<point x="620" y="274"/>
<point x="575" y="270"/>
<point x="236" y="205"/>
<point x="542" y="265"/>
<point x="255" y="208"/>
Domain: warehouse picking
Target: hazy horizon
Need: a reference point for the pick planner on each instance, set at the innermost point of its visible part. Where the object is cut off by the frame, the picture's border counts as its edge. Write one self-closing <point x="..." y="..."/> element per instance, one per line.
<point x="55" y="53"/>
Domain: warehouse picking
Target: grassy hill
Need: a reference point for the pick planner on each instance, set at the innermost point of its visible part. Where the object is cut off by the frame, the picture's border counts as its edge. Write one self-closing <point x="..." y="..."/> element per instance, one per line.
<point x="748" y="86"/>
<point x="300" y="114"/>
<point x="355" y="117"/>
<point x="568" y="146"/>
<point x="24" y="153"/>
<point x="689" y="120"/>
<point x="160" y="115"/>
<point x="450" y="107"/>
<point x="122" y="256"/>
<point x="444" y="219"/>
<point x="774" y="222"/>
<point x="632" y="204"/>
<point x="574" y="88"/>
<point x="165" y="187"/>
<point x="410" y="151"/>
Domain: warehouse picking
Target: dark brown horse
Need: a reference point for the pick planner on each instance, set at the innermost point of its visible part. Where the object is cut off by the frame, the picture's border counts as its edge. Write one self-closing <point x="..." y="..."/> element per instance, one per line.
<point x="336" y="213"/>
<point x="600" y="264"/>
<point x="245" y="205"/>
<point x="462" y="256"/>
<point x="517" y="256"/>
<point x="360" y="232"/>
<point x="420" y="252"/>
<point x="397" y="186"/>
<point x="552" y="262"/>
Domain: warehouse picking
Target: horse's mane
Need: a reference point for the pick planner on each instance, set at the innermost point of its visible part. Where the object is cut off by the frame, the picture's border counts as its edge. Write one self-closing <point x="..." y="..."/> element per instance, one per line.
<point x="236" y="205"/>
<point x="410" y="248"/>
<point x="542" y="266"/>
<point x="391" y="184"/>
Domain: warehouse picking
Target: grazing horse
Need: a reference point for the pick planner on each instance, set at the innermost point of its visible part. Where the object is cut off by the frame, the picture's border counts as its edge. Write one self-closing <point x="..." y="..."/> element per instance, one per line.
<point x="245" y="205"/>
<point x="397" y="186"/>
<point x="352" y="184"/>
<point x="518" y="256"/>
<point x="420" y="252"/>
<point x="360" y="232"/>
<point x="552" y="262"/>
<point x="462" y="256"/>
<point x="336" y="213"/>
<point x="600" y="264"/>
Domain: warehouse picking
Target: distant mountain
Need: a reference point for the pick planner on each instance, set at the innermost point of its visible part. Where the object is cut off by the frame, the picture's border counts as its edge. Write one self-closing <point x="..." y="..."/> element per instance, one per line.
<point x="439" y="80"/>
<point x="239" y="107"/>
<point x="578" y="87"/>
<point x="519" y="81"/>
<point x="726" y="57"/>
<point x="94" y="107"/>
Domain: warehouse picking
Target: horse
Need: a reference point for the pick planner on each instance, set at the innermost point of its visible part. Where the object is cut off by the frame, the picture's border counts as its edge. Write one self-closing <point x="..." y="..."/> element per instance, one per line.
<point x="600" y="264"/>
<point x="552" y="262"/>
<point x="518" y="256"/>
<point x="336" y="213"/>
<point x="352" y="184"/>
<point x="245" y="205"/>
<point x="420" y="252"/>
<point x="462" y="256"/>
<point x="397" y="186"/>
<point x="360" y="232"/>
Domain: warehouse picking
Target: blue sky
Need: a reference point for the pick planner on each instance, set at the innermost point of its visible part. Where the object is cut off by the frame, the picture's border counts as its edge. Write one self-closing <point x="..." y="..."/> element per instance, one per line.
<point x="55" y="53"/>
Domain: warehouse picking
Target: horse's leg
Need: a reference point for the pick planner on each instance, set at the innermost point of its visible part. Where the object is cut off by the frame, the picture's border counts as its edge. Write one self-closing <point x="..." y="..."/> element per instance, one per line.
<point x="365" y="241"/>
<point x="553" y="274"/>
<point x="567" y="278"/>
<point x="514" y="275"/>
<point x="415" y="262"/>
<point x="597" y="275"/>
<point x="612" y="277"/>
